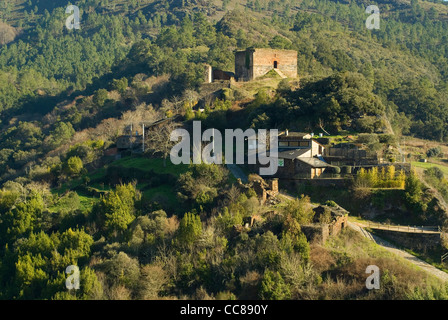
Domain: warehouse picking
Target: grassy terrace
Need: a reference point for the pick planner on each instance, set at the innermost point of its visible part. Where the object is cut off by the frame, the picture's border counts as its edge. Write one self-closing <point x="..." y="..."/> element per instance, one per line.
<point x="426" y="165"/>
<point x="163" y="193"/>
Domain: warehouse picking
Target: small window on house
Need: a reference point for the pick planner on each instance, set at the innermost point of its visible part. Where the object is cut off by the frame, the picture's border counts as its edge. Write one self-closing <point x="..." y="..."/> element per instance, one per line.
<point x="294" y="143"/>
<point x="281" y="162"/>
<point x="275" y="64"/>
<point x="304" y="143"/>
<point x="283" y="143"/>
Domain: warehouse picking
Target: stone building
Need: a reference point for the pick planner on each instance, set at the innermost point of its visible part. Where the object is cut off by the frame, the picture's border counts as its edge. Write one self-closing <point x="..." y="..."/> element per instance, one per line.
<point x="321" y="230"/>
<point x="299" y="156"/>
<point x="266" y="191"/>
<point x="253" y="63"/>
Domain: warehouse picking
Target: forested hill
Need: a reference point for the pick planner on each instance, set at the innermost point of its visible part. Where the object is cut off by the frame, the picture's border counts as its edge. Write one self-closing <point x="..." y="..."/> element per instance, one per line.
<point x="140" y="227"/>
<point x="56" y="82"/>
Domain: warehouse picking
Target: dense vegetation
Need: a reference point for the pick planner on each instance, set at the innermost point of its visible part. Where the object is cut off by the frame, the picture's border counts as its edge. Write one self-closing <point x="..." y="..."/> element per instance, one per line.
<point x="141" y="228"/>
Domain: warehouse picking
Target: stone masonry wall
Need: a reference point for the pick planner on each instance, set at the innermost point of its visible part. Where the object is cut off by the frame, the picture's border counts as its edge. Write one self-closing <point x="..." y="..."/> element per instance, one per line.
<point x="263" y="62"/>
<point x="412" y="241"/>
<point x="254" y="63"/>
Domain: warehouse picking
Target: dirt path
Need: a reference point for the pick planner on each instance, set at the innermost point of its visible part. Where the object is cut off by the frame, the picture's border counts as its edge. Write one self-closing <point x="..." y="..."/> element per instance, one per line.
<point x="409" y="257"/>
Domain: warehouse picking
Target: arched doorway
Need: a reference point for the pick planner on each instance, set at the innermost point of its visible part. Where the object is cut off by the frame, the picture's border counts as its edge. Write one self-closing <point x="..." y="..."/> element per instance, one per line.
<point x="275" y="64"/>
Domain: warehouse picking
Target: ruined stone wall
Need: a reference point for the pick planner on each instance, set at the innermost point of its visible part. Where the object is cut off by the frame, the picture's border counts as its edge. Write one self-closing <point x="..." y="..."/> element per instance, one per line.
<point x="274" y="185"/>
<point x="208" y="73"/>
<point x="243" y="65"/>
<point x="221" y="75"/>
<point x="316" y="232"/>
<point x="322" y="182"/>
<point x="414" y="241"/>
<point x="338" y="225"/>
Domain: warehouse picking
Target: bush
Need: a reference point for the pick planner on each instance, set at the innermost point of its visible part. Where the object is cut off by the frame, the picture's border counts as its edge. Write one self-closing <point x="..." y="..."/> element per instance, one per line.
<point x="190" y="229"/>
<point x="100" y="97"/>
<point x="331" y="203"/>
<point x="434" y="172"/>
<point x="368" y="138"/>
<point x="73" y="166"/>
<point x="434" y="152"/>
<point x="273" y="287"/>
<point x="389" y="139"/>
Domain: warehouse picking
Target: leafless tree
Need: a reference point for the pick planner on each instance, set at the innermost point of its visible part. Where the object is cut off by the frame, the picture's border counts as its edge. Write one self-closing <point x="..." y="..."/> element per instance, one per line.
<point x="7" y="33"/>
<point x="321" y="125"/>
<point x="158" y="140"/>
<point x="177" y="104"/>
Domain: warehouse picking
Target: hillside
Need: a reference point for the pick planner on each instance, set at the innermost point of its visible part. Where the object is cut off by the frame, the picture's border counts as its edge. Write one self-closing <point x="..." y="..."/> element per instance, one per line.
<point x="140" y="227"/>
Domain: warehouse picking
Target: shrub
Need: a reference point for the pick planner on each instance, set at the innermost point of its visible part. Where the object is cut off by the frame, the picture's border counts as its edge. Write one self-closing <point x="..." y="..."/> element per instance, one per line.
<point x="190" y="229"/>
<point x="434" y="152"/>
<point x="73" y="166"/>
<point x="273" y="287"/>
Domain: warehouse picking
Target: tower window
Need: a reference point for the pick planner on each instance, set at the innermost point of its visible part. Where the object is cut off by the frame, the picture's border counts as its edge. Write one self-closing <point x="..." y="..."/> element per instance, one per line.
<point x="275" y="64"/>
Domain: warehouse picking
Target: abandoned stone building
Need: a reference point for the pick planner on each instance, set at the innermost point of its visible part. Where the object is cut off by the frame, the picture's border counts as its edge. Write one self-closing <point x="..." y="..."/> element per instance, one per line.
<point x="327" y="221"/>
<point x="256" y="62"/>
<point x="211" y="74"/>
<point x="266" y="191"/>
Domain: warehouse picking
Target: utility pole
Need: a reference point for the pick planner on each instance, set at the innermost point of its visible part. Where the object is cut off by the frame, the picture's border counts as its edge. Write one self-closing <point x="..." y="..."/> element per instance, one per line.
<point x="143" y="137"/>
<point x="130" y="138"/>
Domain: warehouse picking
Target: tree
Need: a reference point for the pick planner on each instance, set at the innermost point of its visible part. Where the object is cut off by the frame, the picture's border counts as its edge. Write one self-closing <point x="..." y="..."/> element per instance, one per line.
<point x="73" y="166"/>
<point x="152" y="281"/>
<point x="300" y="210"/>
<point x="116" y="208"/>
<point x="158" y="141"/>
<point x="273" y="287"/>
<point x="123" y="270"/>
<point x="190" y="229"/>
<point x="24" y="218"/>
<point x="120" y="85"/>
<point x="100" y="97"/>
<point x="434" y="152"/>
<point x="61" y="134"/>
<point x="279" y="42"/>
<point x="7" y="33"/>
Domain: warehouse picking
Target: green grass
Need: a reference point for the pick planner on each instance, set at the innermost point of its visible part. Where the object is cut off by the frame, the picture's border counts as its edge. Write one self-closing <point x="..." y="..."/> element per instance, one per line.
<point x="87" y="202"/>
<point x="164" y="190"/>
<point x="164" y="194"/>
<point x="156" y="165"/>
<point x="144" y="164"/>
<point x="427" y="165"/>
